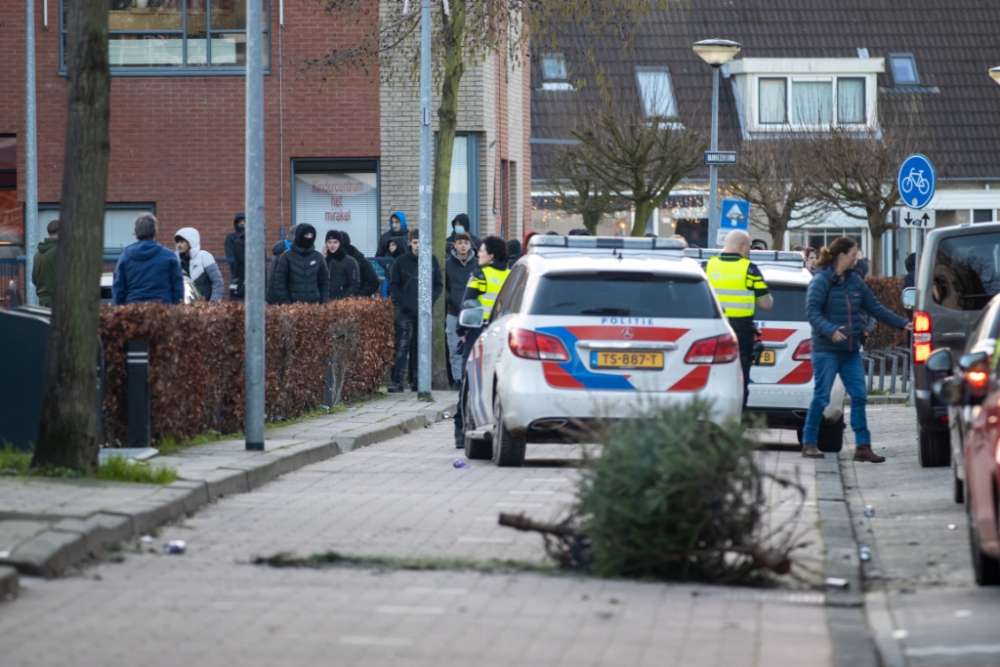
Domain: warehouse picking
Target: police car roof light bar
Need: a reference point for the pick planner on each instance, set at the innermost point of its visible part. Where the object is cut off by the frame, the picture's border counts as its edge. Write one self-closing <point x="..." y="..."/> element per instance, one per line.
<point x="756" y="256"/>
<point x="598" y="242"/>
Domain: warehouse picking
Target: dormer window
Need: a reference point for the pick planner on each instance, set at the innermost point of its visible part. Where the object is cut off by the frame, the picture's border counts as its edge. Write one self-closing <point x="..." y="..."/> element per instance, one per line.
<point x="904" y="69"/>
<point x="656" y="92"/>
<point x="554" y="72"/>
<point x="806" y="94"/>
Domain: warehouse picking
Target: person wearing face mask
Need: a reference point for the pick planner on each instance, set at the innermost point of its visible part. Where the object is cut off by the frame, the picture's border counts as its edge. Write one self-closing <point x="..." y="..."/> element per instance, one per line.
<point x="235" y="246"/>
<point x="199" y="265"/>
<point x="461" y="224"/>
<point x="345" y="277"/>
<point x="300" y="275"/>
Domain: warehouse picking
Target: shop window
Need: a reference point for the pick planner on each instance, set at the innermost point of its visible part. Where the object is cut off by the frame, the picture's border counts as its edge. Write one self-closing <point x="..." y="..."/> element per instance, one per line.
<point x="187" y="37"/>
<point x="11" y="210"/>
<point x="338" y="194"/>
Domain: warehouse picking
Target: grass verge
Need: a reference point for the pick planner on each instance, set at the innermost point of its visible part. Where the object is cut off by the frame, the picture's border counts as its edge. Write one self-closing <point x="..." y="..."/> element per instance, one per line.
<point x="15" y="463"/>
<point x="334" y="559"/>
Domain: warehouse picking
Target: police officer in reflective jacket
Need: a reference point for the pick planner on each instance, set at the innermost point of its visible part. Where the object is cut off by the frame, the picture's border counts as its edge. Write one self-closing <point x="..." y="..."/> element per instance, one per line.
<point x="741" y="290"/>
<point x="484" y="285"/>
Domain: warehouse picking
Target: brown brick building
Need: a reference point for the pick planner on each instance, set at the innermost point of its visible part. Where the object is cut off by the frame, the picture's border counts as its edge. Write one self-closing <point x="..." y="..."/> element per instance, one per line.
<point x="177" y="127"/>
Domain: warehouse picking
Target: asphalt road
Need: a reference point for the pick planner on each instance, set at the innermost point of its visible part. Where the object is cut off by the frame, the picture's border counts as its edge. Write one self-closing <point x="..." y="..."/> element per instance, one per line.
<point x="922" y="601"/>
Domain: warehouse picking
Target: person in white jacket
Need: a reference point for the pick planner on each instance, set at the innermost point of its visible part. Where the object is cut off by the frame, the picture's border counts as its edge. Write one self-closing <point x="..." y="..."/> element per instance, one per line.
<point x="198" y="264"/>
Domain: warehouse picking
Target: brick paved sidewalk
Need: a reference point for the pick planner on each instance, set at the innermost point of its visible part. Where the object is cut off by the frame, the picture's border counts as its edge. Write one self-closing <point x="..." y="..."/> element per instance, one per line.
<point x="402" y="497"/>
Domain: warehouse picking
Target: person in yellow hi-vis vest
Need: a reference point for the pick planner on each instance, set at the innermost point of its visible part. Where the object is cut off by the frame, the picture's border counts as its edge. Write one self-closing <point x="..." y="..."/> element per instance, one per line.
<point x="484" y="286"/>
<point x="741" y="290"/>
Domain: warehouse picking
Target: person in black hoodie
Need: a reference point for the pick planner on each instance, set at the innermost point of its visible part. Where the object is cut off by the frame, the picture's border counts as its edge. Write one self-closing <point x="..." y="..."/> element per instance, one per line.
<point x="370" y="282"/>
<point x="461" y="223"/>
<point x="236" y="254"/>
<point x="514" y="252"/>
<point x="345" y="277"/>
<point x="301" y="274"/>
<point x="403" y="286"/>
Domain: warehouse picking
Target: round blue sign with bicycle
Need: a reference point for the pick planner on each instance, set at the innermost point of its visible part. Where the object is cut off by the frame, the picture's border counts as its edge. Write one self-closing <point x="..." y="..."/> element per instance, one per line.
<point x="916" y="181"/>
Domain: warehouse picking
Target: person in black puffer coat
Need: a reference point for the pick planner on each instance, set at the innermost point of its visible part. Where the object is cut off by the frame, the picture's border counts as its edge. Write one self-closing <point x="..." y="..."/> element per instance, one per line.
<point x="370" y="282"/>
<point x="271" y="296"/>
<point x="301" y="274"/>
<point x="403" y="287"/>
<point x="345" y="277"/>
<point x="235" y="246"/>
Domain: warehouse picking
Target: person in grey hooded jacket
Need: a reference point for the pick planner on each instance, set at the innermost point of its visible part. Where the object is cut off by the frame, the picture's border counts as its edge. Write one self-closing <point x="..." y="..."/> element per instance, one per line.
<point x="198" y="264"/>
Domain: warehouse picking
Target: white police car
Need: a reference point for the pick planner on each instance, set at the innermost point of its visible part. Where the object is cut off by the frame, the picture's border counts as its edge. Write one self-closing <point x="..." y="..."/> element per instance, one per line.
<point x="781" y="382"/>
<point x="593" y="328"/>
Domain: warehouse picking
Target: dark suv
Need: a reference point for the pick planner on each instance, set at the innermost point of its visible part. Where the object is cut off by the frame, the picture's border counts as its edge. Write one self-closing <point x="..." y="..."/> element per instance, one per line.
<point x="958" y="275"/>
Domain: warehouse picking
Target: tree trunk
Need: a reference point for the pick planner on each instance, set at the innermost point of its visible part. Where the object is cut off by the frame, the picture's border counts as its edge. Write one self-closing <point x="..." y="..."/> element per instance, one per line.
<point x="643" y="209"/>
<point x="591" y="219"/>
<point x="67" y="435"/>
<point x="452" y="37"/>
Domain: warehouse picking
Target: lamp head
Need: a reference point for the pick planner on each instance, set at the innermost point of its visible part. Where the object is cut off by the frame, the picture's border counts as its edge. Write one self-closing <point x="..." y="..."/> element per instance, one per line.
<point x="716" y="52"/>
<point x="995" y="74"/>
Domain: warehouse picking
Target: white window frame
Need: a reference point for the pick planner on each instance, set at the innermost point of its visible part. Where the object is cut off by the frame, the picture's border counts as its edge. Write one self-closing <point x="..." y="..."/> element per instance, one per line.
<point x="672" y="98"/>
<point x="749" y="72"/>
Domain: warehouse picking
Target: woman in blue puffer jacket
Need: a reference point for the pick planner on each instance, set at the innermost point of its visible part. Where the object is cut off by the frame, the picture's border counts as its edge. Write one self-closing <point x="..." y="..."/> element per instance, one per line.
<point x="834" y="303"/>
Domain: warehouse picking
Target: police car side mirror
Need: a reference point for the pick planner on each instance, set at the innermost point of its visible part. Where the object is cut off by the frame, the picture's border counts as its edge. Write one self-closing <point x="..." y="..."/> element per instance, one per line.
<point x="472" y="318"/>
<point x="909" y="298"/>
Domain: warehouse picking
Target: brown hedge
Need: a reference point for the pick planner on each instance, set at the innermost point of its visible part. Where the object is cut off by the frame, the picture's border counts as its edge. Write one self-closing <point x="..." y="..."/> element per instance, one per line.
<point x="888" y="290"/>
<point x="196" y="356"/>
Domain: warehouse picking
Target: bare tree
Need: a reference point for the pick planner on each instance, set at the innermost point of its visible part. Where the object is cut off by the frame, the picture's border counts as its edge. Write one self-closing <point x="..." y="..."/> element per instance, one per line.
<point x="638" y="159"/>
<point x="67" y="435"/>
<point x="855" y="172"/>
<point x="466" y="32"/>
<point x="582" y="192"/>
<point x="772" y="175"/>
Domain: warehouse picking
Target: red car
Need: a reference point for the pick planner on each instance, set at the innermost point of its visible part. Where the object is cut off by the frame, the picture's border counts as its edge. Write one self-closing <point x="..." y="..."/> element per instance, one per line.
<point x="976" y="387"/>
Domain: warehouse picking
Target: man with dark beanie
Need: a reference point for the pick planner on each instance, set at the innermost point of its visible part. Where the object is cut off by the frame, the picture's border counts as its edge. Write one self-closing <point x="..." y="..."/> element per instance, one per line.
<point x="345" y="277"/>
<point x="484" y="286"/>
<point x="301" y="274"/>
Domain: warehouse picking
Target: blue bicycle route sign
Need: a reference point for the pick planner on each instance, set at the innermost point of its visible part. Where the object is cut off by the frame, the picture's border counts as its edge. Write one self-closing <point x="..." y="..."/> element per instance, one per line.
<point x="916" y="181"/>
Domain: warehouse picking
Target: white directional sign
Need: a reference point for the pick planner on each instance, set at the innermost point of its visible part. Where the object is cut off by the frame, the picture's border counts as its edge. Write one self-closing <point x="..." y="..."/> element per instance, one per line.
<point x="913" y="219"/>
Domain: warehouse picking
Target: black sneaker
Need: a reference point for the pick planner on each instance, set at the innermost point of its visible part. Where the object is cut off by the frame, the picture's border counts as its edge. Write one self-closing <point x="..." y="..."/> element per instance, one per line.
<point x="395" y="389"/>
<point x="459" y="444"/>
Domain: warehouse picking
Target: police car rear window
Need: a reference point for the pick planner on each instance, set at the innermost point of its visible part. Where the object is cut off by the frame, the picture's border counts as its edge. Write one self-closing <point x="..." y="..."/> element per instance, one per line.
<point x="789" y="304"/>
<point x="966" y="271"/>
<point x="623" y="294"/>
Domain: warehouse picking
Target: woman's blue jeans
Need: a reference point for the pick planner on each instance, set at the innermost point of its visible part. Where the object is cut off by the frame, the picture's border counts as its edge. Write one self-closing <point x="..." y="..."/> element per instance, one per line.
<point x="826" y="367"/>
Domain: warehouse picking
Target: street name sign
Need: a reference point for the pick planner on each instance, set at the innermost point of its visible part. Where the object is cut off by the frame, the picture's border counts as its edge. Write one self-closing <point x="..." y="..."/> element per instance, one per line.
<point x="720" y="157"/>
<point x="916" y="181"/>
<point x="915" y="219"/>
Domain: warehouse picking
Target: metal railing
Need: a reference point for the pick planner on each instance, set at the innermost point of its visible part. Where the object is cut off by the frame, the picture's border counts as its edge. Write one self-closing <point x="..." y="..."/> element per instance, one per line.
<point x="894" y="360"/>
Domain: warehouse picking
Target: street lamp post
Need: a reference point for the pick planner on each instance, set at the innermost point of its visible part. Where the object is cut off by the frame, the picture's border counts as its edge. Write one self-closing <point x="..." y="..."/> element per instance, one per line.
<point x="715" y="52"/>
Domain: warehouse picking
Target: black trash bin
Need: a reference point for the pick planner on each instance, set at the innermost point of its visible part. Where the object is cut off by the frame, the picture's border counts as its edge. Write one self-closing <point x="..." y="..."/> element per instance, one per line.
<point x="24" y="334"/>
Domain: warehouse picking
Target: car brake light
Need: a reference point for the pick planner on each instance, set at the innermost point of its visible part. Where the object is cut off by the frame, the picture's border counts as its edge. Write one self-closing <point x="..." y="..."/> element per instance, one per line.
<point x="921" y="337"/>
<point x="976" y="379"/>
<point x="533" y="345"/>
<point x="715" y="350"/>
<point x="804" y="351"/>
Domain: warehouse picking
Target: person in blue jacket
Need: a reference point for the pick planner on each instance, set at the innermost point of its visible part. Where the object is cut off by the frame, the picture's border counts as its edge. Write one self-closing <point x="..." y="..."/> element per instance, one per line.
<point x="147" y="271"/>
<point x="835" y="301"/>
<point x="397" y="230"/>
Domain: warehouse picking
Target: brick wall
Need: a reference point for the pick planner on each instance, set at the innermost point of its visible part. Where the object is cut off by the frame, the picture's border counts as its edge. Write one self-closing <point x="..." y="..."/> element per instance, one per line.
<point x="179" y="141"/>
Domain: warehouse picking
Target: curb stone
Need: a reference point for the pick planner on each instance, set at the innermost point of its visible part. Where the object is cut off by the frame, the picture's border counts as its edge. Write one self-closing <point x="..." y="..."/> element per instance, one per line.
<point x="845" y="607"/>
<point x="69" y="542"/>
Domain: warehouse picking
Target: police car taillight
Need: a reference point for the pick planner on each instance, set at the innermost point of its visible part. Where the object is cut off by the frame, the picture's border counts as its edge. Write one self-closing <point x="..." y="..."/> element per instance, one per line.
<point x="715" y="350"/>
<point x="533" y="345"/>
<point x="804" y="351"/>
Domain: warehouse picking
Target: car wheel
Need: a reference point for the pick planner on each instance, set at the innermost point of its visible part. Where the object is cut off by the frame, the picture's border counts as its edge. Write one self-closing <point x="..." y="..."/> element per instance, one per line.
<point x="985" y="567"/>
<point x="831" y="437"/>
<point x="935" y="450"/>
<point x="508" y="450"/>
<point x="475" y="448"/>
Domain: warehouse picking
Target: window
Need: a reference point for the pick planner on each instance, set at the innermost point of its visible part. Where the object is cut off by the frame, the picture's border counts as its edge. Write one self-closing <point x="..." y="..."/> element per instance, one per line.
<point x="554" y="67"/>
<point x="822" y="236"/>
<point x="773" y="101"/>
<point x="338" y="194"/>
<point x="623" y="294"/>
<point x="509" y="298"/>
<point x="982" y="215"/>
<point x="967" y="271"/>
<point x="189" y="37"/>
<point x="11" y="222"/>
<point x="463" y="192"/>
<point x="119" y="225"/>
<point x="789" y="303"/>
<point x="813" y="101"/>
<point x="656" y="92"/>
<point x="904" y="69"/>
<point x="850" y="100"/>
